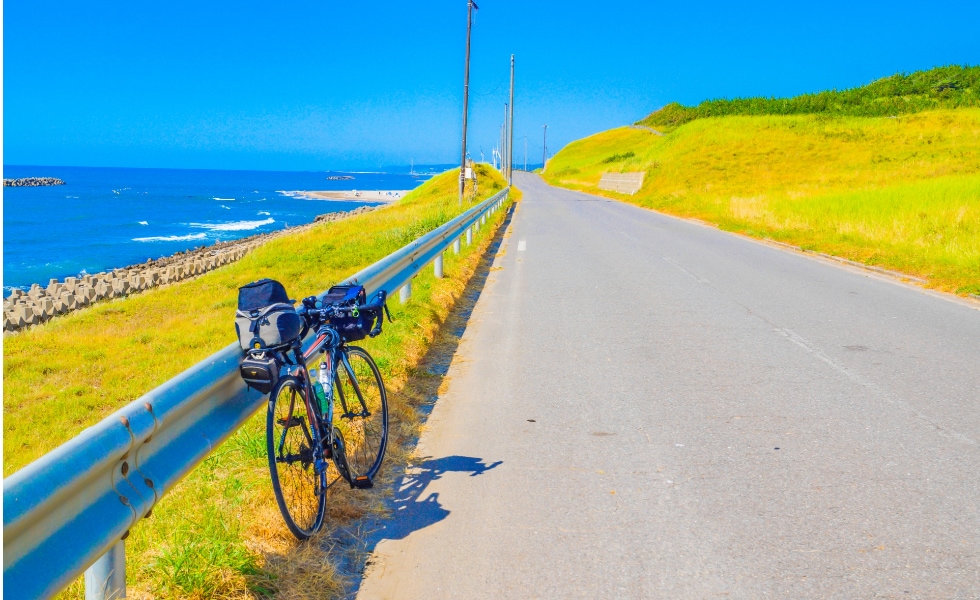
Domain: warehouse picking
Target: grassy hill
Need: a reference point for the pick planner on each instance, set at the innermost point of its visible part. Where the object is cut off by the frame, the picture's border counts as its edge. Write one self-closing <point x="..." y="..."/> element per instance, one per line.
<point x="903" y="93"/>
<point x="219" y="533"/>
<point x="901" y="192"/>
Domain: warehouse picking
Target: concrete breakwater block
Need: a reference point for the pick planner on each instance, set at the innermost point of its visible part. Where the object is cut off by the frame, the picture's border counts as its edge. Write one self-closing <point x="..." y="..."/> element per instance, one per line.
<point x="38" y="304"/>
<point x="32" y="182"/>
<point x="85" y="293"/>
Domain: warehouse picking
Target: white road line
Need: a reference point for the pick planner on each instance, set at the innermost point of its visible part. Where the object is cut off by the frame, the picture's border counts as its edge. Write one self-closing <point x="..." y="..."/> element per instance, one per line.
<point x="686" y="272"/>
<point x="814" y="351"/>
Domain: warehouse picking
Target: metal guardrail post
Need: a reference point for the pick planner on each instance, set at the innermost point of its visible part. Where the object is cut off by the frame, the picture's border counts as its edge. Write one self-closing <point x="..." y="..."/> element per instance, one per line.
<point x="456" y="245"/>
<point x="469" y="235"/>
<point x="106" y="578"/>
<point x="405" y="293"/>
<point x="437" y="266"/>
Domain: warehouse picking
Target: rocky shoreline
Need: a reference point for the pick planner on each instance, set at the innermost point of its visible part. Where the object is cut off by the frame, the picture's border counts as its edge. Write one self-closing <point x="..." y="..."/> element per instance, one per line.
<point x="39" y="304"/>
<point x="32" y="182"/>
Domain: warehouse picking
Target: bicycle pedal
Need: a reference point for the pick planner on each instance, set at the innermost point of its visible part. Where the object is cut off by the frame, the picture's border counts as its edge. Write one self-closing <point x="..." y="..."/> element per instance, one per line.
<point x="362" y="482"/>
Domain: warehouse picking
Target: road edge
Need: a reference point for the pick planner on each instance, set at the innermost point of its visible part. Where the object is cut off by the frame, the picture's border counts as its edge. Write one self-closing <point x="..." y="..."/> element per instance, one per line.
<point x="882" y="274"/>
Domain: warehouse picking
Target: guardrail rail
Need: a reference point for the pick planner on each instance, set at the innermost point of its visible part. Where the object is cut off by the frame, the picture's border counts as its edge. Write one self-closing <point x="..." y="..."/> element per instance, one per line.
<point x="69" y="511"/>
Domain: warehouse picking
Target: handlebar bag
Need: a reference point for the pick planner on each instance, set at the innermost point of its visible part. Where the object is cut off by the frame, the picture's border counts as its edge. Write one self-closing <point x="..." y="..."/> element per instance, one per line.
<point x="352" y="324"/>
<point x="266" y="317"/>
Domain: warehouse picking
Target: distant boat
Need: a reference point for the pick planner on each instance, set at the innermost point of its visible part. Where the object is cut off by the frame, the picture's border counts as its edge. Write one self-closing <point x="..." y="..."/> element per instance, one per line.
<point x="340" y="177"/>
<point x="412" y="170"/>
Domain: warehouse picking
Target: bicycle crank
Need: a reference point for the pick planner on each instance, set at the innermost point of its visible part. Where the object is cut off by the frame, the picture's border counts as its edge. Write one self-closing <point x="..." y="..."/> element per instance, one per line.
<point x="340" y="456"/>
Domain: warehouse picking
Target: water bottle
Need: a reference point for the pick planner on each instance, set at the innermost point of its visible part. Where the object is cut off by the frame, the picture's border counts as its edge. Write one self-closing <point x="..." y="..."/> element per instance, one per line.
<point x="321" y="396"/>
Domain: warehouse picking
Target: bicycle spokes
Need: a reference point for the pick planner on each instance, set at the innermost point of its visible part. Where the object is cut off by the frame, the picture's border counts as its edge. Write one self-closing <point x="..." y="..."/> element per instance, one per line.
<point x="296" y="464"/>
<point x="361" y="408"/>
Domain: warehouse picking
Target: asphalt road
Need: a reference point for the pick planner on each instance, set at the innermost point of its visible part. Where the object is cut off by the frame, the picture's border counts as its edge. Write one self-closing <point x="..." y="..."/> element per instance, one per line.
<point x="643" y="407"/>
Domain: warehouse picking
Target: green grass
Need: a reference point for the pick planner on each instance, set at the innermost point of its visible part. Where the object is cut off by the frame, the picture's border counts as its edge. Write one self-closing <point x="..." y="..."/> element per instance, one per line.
<point x="942" y="87"/>
<point x="218" y="533"/>
<point x="901" y="193"/>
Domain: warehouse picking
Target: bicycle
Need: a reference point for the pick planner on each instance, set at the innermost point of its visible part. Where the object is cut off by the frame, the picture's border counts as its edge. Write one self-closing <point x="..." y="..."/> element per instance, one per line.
<point x="300" y="430"/>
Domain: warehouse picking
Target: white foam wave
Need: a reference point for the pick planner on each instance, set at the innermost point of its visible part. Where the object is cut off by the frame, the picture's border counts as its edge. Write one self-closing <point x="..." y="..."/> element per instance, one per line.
<point x="172" y="238"/>
<point x="225" y="207"/>
<point x="262" y="212"/>
<point x="224" y="199"/>
<point x="234" y="226"/>
<point x="144" y="223"/>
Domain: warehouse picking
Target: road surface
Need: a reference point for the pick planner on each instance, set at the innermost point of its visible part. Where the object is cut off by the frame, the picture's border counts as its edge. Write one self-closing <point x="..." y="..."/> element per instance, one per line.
<point x="644" y="407"/>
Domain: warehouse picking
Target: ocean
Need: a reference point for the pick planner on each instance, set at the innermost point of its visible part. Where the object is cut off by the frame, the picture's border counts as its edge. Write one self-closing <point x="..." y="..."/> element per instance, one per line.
<point x="106" y="218"/>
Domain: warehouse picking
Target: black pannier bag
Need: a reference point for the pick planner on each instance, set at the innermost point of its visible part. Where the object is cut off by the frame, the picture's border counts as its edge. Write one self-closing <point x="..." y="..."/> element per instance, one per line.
<point x="352" y="324"/>
<point x="260" y="371"/>
<point x="266" y="317"/>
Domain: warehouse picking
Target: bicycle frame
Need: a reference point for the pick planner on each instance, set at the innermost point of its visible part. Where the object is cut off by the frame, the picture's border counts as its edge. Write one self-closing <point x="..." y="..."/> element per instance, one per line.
<point x="330" y="344"/>
<point x="322" y="430"/>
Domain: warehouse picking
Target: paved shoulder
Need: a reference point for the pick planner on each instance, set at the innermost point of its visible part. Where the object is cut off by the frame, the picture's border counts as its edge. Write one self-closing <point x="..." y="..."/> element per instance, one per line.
<point x="643" y="407"/>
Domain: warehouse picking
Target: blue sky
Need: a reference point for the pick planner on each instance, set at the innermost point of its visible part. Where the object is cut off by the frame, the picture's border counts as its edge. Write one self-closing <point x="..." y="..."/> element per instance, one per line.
<point x="362" y="85"/>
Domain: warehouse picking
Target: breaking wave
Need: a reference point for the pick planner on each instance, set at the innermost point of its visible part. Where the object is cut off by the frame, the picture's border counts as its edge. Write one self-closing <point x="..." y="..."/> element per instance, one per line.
<point x="234" y="226"/>
<point x="172" y="238"/>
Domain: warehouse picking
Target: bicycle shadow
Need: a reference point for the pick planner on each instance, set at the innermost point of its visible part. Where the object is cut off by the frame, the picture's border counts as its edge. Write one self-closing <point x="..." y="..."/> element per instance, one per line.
<point x="410" y="511"/>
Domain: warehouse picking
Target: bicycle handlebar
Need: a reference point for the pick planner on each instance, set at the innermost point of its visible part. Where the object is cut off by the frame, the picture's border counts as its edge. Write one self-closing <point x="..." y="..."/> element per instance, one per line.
<point x="313" y="316"/>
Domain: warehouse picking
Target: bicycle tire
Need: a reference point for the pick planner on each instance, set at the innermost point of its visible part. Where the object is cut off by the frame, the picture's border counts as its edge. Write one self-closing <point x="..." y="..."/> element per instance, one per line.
<point x="361" y="412"/>
<point x="300" y="488"/>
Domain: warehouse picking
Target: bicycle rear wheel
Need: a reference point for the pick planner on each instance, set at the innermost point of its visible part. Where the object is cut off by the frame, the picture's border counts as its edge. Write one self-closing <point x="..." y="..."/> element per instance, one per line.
<point x="299" y="486"/>
<point x="361" y="412"/>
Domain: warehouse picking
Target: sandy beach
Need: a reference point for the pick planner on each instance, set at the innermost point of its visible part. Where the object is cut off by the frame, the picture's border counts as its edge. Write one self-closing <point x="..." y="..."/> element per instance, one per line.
<point x="359" y="195"/>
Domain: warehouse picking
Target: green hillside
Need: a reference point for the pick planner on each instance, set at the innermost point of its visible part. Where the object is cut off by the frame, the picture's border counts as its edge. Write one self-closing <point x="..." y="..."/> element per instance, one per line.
<point x="903" y="93"/>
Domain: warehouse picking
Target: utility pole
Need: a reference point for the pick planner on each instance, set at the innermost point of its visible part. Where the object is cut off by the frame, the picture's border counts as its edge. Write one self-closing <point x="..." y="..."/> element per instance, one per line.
<point x="510" y="133"/>
<point x="544" y="151"/>
<point x="503" y="144"/>
<point x="525" y="154"/>
<point x="470" y="5"/>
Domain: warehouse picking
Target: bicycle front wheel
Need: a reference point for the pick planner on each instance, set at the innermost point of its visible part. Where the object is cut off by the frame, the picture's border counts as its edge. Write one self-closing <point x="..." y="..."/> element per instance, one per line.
<point x="299" y="486"/>
<point x="361" y="412"/>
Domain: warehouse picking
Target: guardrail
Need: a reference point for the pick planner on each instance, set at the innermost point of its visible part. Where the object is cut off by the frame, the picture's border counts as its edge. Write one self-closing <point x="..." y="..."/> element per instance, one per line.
<point x="77" y="503"/>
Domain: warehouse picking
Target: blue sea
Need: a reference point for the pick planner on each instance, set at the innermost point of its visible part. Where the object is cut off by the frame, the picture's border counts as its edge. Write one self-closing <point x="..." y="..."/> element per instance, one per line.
<point x="105" y="218"/>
